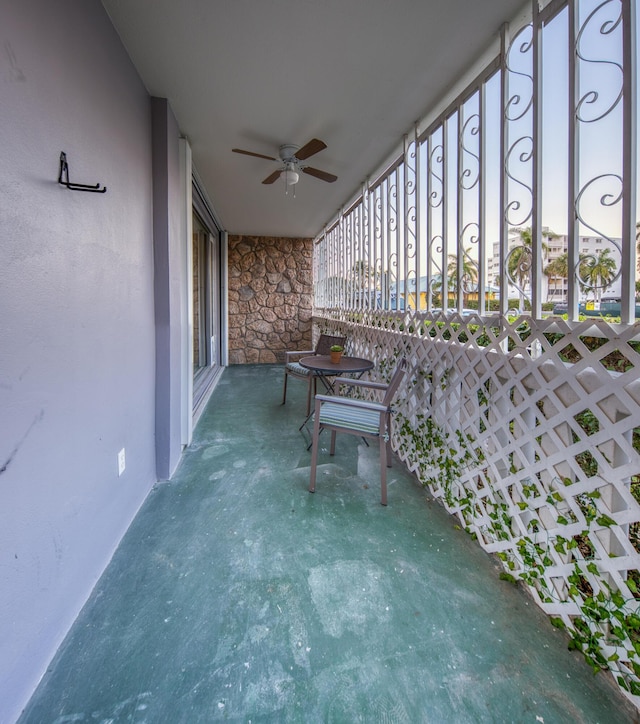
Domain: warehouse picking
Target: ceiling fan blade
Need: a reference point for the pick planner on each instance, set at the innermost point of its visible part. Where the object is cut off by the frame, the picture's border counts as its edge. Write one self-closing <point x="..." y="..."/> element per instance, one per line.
<point x="273" y="177"/>
<point x="322" y="175"/>
<point x="310" y="148"/>
<point x="251" y="153"/>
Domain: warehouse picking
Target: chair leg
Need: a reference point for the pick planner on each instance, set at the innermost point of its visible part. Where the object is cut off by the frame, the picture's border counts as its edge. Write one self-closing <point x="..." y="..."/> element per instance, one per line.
<point x="388" y="429"/>
<point x="383" y="471"/>
<point x="284" y="394"/>
<point x="314" y="450"/>
<point x="388" y="455"/>
<point x="311" y="377"/>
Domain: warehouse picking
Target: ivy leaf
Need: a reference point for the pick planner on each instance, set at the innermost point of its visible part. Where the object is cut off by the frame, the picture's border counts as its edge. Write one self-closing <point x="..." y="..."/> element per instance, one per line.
<point x="605" y="521"/>
<point x="634" y="687"/>
<point x="574" y="645"/>
<point x="618" y="599"/>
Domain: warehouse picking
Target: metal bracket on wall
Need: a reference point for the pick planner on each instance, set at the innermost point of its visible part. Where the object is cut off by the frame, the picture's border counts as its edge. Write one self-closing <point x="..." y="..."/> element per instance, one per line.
<point x="63" y="178"/>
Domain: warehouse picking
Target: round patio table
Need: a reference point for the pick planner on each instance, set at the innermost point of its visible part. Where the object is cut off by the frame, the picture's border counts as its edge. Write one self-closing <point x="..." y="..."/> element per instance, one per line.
<point x="322" y="365"/>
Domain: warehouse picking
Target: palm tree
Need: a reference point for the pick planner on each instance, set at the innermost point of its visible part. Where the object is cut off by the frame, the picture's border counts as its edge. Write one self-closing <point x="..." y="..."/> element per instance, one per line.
<point x="469" y="274"/>
<point x="599" y="272"/>
<point x="558" y="269"/>
<point x="362" y="280"/>
<point x="520" y="257"/>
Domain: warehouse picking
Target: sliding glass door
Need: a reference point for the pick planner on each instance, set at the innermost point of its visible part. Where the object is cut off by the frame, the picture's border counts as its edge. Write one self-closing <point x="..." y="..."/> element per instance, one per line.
<point x="206" y="306"/>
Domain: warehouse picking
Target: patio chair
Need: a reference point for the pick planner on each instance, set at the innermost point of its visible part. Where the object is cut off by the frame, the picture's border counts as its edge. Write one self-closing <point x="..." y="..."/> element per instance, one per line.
<point x="364" y="418"/>
<point x="293" y="369"/>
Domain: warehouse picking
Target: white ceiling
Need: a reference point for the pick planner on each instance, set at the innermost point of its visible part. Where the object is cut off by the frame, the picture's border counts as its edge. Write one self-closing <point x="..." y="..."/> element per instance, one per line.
<point x="255" y="74"/>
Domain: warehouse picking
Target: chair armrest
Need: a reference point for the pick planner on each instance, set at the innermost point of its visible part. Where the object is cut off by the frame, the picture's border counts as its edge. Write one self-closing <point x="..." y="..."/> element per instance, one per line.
<point x="360" y="383"/>
<point x="298" y="353"/>
<point x="352" y="402"/>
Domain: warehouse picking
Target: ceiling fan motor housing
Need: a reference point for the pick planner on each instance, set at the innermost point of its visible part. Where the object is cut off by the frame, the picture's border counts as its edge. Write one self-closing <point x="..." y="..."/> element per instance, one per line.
<point x="288" y="152"/>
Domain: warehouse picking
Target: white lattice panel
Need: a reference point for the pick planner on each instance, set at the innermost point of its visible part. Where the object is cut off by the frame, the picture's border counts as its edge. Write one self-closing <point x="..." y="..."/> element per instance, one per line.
<point x="529" y="433"/>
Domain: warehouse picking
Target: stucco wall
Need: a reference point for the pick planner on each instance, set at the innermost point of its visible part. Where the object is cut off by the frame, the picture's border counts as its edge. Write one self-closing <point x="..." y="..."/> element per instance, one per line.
<point x="270" y="297"/>
<point x="77" y="334"/>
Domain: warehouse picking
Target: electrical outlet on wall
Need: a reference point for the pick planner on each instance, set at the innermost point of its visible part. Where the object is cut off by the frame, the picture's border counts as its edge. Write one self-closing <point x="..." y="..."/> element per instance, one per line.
<point x="121" y="462"/>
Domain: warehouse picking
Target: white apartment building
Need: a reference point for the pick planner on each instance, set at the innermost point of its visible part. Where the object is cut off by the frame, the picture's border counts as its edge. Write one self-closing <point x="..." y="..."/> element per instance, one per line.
<point x="554" y="289"/>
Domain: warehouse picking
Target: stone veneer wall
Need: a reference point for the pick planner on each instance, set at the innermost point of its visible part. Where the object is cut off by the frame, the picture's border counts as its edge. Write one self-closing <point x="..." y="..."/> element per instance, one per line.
<point x="270" y="297"/>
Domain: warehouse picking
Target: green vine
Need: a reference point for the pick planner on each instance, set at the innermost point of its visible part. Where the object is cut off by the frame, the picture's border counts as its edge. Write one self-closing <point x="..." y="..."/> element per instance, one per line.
<point x="440" y="458"/>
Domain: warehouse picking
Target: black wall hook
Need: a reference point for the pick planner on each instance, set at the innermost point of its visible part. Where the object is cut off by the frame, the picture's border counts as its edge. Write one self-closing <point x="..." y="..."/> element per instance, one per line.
<point x="63" y="178"/>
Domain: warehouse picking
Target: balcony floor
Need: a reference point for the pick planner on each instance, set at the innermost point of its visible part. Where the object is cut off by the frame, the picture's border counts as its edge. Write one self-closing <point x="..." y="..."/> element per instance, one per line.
<point x="238" y="596"/>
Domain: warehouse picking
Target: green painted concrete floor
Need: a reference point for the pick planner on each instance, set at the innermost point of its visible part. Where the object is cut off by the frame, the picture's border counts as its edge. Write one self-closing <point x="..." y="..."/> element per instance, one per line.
<point x="238" y="596"/>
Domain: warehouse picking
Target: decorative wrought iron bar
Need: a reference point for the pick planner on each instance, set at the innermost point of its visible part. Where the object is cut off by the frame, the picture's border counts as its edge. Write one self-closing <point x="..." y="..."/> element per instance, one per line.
<point x="573" y="178"/>
<point x="503" y="226"/>
<point x="446" y="206"/>
<point x="483" y="285"/>
<point x="629" y="158"/>
<point x="417" y="220"/>
<point x="536" y="231"/>
<point x="459" y="201"/>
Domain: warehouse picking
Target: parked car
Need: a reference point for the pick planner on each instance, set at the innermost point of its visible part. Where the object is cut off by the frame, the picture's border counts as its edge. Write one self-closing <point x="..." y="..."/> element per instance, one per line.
<point x="608" y="308"/>
<point x="563" y="308"/>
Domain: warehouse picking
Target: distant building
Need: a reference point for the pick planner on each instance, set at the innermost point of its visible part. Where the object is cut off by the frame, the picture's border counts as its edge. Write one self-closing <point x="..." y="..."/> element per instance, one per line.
<point x="555" y="289"/>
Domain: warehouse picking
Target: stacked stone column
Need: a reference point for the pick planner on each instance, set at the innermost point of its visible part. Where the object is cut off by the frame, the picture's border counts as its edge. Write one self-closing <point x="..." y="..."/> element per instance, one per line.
<point x="270" y="297"/>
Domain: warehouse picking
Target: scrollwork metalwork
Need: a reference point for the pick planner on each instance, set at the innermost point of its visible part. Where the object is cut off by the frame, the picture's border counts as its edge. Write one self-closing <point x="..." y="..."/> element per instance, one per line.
<point x="515" y="205"/>
<point x="410" y="174"/>
<point x="525" y="46"/>
<point x="436" y="159"/>
<point x="519" y="155"/>
<point x="470" y="279"/>
<point x="518" y="265"/>
<point x="436" y="246"/>
<point x="589" y="261"/>
<point x="392" y="205"/>
<point x="591" y="97"/>
<point x="471" y="127"/>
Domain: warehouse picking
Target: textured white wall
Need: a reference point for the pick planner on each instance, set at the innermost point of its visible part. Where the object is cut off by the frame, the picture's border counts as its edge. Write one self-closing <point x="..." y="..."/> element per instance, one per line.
<point x="76" y="321"/>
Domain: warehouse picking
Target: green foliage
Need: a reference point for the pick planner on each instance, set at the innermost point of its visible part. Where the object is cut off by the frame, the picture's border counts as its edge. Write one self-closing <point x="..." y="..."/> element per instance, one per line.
<point x="439" y="456"/>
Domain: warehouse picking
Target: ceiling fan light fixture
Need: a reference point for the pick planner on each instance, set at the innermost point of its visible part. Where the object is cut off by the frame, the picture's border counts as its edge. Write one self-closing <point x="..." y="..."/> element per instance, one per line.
<point x="291" y="177"/>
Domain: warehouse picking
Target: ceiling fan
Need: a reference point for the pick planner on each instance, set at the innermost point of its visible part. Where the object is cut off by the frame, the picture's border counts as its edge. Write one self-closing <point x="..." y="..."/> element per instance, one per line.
<point x="291" y="157"/>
